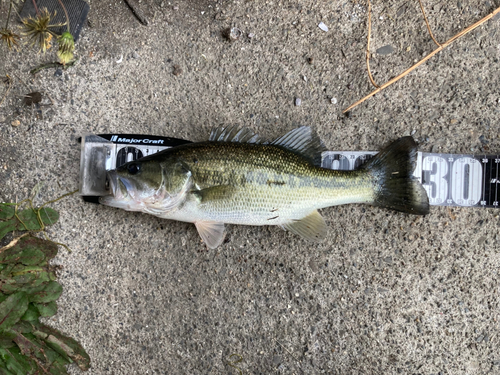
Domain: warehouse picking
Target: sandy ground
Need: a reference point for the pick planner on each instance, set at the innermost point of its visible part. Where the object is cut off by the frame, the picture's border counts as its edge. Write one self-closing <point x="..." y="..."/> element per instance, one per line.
<point x="386" y="293"/>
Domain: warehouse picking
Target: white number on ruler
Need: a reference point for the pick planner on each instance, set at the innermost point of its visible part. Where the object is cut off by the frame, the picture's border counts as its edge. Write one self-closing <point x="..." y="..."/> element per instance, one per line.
<point x="467" y="175"/>
<point x="437" y="179"/>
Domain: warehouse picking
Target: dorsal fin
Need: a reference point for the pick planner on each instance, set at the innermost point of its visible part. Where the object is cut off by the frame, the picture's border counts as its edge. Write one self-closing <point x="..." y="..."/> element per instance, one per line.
<point x="303" y="141"/>
<point x="234" y="134"/>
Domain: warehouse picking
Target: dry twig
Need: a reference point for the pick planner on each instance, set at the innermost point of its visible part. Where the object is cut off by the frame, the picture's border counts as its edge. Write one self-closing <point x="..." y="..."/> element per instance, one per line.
<point x="427" y="23"/>
<point x="368" y="44"/>
<point x="436" y="51"/>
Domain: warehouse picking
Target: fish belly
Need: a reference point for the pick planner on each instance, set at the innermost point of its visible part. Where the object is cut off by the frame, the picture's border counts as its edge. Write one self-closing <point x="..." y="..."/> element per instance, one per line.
<point x="271" y="205"/>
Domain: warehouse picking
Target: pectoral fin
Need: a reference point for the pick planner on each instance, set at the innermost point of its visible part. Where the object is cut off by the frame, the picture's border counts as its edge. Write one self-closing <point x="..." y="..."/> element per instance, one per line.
<point x="312" y="227"/>
<point x="215" y="193"/>
<point x="211" y="232"/>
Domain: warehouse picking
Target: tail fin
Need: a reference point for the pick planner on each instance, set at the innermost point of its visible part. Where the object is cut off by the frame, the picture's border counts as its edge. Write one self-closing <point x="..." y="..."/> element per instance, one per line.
<point x="395" y="186"/>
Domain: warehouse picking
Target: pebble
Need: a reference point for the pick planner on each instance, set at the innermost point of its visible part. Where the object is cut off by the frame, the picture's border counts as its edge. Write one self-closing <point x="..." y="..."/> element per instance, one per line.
<point x="251" y="35"/>
<point x="135" y="55"/>
<point x="298" y="102"/>
<point x="58" y="72"/>
<point x="232" y="34"/>
<point x="323" y="27"/>
<point x="483" y="140"/>
<point x="333" y="100"/>
<point x="385" y="50"/>
<point x="313" y="265"/>
<point x="177" y="70"/>
<point x="16" y="123"/>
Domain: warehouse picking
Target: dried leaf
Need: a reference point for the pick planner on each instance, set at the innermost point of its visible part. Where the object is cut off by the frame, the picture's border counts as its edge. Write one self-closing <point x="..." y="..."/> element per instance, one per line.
<point x="29" y="250"/>
<point x="30" y="346"/>
<point x="35" y="97"/>
<point x="50" y="354"/>
<point x="71" y="347"/>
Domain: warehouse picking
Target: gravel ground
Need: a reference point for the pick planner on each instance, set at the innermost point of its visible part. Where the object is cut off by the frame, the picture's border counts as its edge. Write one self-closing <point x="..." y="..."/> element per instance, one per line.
<point x="386" y="293"/>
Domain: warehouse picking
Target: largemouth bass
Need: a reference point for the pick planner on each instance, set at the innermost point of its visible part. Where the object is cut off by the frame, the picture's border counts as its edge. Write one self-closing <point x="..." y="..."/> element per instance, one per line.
<point x="235" y="178"/>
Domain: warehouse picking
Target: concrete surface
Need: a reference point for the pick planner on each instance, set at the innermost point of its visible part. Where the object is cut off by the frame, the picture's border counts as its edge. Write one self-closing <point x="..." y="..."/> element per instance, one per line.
<point x="385" y="294"/>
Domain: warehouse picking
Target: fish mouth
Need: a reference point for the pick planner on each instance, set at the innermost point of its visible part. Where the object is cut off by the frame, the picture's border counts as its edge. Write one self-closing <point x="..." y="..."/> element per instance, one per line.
<point x="118" y="186"/>
<point x="120" y="190"/>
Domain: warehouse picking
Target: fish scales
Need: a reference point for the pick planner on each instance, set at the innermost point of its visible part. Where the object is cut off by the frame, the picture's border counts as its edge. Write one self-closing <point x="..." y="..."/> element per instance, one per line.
<point x="267" y="182"/>
<point x="234" y="179"/>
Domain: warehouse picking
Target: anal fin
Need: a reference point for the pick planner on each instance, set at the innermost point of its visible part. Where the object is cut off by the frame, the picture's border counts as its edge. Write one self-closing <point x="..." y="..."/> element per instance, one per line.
<point x="312" y="227"/>
<point x="211" y="232"/>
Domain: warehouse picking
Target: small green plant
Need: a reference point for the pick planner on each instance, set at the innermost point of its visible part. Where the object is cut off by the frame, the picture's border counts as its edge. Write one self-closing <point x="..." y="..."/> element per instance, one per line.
<point x="28" y="291"/>
<point x="39" y="29"/>
<point x="66" y="42"/>
<point x="7" y="35"/>
<point x="66" y="48"/>
<point x="41" y="33"/>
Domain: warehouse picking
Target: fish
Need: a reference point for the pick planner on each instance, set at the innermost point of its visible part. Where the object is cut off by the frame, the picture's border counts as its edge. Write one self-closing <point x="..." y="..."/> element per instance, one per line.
<point x="238" y="178"/>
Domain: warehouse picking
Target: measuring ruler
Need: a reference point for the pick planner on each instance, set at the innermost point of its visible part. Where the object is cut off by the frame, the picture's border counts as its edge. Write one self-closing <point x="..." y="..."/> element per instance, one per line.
<point x="449" y="179"/>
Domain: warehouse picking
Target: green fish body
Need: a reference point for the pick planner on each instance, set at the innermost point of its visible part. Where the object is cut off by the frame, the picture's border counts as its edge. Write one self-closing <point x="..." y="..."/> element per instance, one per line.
<point x="234" y="178"/>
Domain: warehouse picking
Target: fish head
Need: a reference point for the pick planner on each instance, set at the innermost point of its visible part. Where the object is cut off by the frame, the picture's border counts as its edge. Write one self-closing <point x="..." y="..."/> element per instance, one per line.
<point x="147" y="186"/>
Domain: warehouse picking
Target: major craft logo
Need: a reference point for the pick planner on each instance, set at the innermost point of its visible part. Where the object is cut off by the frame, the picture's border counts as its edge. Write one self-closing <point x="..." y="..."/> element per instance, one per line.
<point x="144" y="141"/>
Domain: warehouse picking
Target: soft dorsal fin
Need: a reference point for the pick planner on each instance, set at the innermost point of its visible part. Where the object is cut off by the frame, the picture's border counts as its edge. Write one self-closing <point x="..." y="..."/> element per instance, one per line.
<point x="303" y="141"/>
<point x="211" y="232"/>
<point x="234" y="134"/>
<point x="312" y="227"/>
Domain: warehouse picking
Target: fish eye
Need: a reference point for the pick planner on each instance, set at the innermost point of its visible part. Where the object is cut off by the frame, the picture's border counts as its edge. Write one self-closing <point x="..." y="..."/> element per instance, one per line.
<point x="133" y="168"/>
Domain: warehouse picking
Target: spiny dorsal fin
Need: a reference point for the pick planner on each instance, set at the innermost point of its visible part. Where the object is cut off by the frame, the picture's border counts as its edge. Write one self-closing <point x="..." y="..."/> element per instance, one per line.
<point x="312" y="227"/>
<point x="303" y="141"/>
<point x="234" y="134"/>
